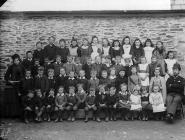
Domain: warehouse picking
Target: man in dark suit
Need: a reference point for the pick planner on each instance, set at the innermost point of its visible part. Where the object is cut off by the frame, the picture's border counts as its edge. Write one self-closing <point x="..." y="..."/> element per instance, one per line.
<point x="175" y="92"/>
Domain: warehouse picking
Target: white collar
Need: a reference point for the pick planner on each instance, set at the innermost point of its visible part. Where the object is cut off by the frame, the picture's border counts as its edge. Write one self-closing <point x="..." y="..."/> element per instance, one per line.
<point x="93" y="78"/>
<point x="58" y="63"/>
<point x="60" y="94"/>
<point x="112" y="77"/>
<point x="85" y="47"/>
<point x="28" y="77"/>
<point x="62" y="75"/>
<point x="82" y="77"/>
<point x="71" y="78"/>
<point x="50" y="77"/>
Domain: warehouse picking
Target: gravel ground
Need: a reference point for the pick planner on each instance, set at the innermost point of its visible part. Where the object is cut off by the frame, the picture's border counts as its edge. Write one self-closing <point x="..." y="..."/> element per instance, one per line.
<point x="119" y="130"/>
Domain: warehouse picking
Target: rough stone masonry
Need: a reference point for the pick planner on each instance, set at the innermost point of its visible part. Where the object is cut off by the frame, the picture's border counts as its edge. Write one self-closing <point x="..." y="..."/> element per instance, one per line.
<point x="19" y="33"/>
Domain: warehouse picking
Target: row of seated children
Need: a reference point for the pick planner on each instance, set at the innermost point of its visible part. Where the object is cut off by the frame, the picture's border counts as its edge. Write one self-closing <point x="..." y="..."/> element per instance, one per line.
<point x="130" y="105"/>
<point x="113" y="76"/>
<point x="98" y="64"/>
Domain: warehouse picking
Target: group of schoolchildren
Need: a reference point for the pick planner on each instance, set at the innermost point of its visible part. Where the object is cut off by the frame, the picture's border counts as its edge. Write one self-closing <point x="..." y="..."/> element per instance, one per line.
<point x="124" y="79"/>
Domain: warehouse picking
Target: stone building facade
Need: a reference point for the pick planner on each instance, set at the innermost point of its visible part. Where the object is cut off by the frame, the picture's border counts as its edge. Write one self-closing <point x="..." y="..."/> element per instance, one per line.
<point x="20" y="31"/>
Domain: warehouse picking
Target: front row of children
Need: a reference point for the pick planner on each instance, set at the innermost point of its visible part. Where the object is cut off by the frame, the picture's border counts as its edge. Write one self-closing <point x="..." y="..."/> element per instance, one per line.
<point x="138" y="104"/>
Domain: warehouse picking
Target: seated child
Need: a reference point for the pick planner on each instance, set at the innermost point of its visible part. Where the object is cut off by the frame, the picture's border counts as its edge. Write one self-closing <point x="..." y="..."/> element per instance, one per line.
<point x="51" y="79"/>
<point x="123" y="101"/>
<point x="27" y="83"/>
<point x="71" y="81"/>
<point x="93" y="81"/>
<point x="61" y="79"/>
<point x="69" y="66"/>
<point x="156" y="100"/>
<point x="112" y="77"/>
<point x="106" y="65"/>
<point x="82" y="79"/>
<point x="97" y="65"/>
<point x="120" y="79"/>
<point x="118" y="66"/>
<point x="111" y="102"/>
<point x="101" y="103"/>
<point x="81" y="96"/>
<point x="47" y="65"/>
<point x="71" y="105"/>
<point x="78" y="66"/>
<point x="104" y="80"/>
<point x="143" y="72"/>
<point x="146" y="106"/>
<point x="135" y="100"/>
<point x="134" y="79"/>
<point x="90" y="104"/>
<point x="60" y="103"/>
<point x="57" y="65"/>
<point x="39" y="105"/>
<point x="49" y="104"/>
<point x="87" y="67"/>
<point x="41" y="81"/>
<point x="28" y="106"/>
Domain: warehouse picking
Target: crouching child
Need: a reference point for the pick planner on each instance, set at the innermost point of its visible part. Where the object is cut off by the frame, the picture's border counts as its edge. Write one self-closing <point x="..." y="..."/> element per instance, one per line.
<point x="123" y="102"/>
<point x="49" y="105"/>
<point x="111" y="102"/>
<point x="90" y="104"/>
<point x="71" y="105"/>
<point x="135" y="99"/>
<point x="156" y="100"/>
<point x="101" y="103"/>
<point x="39" y="105"/>
<point x="60" y="104"/>
<point x="28" y="105"/>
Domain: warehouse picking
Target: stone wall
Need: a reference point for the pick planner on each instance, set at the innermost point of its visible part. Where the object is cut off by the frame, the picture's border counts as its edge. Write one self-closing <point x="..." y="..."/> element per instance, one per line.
<point x="177" y="4"/>
<point x="19" y="33"/>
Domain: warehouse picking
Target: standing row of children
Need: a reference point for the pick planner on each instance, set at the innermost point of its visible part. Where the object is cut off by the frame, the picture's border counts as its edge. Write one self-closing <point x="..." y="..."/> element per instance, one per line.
<point x="124" y="78"/>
